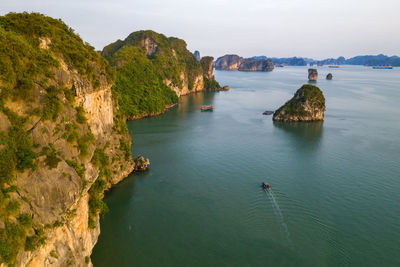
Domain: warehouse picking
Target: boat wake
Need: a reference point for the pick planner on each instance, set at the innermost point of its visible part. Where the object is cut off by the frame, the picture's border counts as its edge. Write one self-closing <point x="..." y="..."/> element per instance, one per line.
<point x="278" y="212"/>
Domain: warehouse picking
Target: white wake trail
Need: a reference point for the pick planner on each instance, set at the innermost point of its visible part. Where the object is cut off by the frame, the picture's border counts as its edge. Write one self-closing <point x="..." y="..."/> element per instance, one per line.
<point x="278" y="212"/>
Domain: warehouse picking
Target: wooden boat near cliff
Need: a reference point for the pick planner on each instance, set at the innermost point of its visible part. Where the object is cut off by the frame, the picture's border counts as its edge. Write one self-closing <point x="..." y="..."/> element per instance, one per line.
<point x="207" y="108"/>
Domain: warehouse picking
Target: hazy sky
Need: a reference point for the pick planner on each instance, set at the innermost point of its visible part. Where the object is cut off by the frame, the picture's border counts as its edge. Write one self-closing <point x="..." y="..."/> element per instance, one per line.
<point x="279" y="28"/>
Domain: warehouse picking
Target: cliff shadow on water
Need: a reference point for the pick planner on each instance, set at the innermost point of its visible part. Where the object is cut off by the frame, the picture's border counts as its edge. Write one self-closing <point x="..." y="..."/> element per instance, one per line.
<point x="193" y="102"/>
<point x="128" y="185"/>
<point x="307" y="135"/>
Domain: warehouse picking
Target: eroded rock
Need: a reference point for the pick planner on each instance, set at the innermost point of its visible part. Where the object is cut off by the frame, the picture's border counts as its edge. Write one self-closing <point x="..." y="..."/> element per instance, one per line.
<point x="312" y="75"/>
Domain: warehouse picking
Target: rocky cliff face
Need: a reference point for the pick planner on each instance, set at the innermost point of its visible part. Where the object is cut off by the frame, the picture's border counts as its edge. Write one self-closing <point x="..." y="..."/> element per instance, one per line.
<point x="63" y="143"/>
<point x="184" y="88"/>
<point x="308" y="104"/>
<point x="312" y="75"/>
<point x="234" y="62"/>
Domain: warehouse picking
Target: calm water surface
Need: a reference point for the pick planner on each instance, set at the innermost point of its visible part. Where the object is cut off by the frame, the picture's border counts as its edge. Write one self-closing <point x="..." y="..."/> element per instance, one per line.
<point x="335" y="197"/>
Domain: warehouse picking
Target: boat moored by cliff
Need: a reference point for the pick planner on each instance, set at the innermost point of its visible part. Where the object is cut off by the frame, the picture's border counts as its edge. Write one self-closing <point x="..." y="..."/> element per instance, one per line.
<point x="207" y="108"/>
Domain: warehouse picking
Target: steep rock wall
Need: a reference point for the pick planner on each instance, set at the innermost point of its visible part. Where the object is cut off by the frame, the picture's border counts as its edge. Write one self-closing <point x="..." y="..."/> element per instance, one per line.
<point x="63" y="142"/>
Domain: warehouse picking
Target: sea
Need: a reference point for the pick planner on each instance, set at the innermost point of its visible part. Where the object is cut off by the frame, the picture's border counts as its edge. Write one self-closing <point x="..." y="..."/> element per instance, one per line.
<point x="334" y="198"/>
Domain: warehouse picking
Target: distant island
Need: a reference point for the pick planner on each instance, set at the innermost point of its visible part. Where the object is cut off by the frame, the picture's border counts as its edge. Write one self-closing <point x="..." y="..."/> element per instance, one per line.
<point x="366" y="60"/>
<point x="235" y="62"/>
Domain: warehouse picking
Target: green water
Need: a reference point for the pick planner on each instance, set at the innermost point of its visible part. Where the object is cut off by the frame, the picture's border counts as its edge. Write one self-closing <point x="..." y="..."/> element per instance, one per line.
<point x="335" y="197"/>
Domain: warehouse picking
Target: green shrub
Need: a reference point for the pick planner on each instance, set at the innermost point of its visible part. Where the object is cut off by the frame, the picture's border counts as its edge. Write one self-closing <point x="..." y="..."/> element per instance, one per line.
<point x="100" y="159"/>
<point x="25" y="220"/>
<point x="84" y="143"/>
<point x="57" y="224"/>
<point x="53" y="254"/>
<point x="78" y="167"/>
<point x="36" y="240"/>
<point x="126" y="148"/>
<point x="51" y="156"/>
<point x="13" y="207"/>
<point x="12" y="239"/>
<point x="71" y="133"/>
<point x="211" y="84"/>
<point x="17" y="154"/>
<point x="52" y="104"/>
<point x="80" y="115"/>
<point x="96" y="204"/>
<point x="69" y="95"/>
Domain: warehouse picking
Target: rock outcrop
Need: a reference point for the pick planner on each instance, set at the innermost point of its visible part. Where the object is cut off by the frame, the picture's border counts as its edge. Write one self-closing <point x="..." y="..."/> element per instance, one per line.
<point x="63" y="143"/>
<point x="234" y="62"/>
<point x="329" y="76"/>
<point x="308" y="104"/>
<point x="196" y="54"/>
<point x="207" y="63"/>
<point x="312" y="75"/>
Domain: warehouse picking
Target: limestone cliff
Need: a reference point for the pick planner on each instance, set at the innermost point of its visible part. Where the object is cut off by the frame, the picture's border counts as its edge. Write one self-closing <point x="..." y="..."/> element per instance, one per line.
<point x="308" y="104"/>
<point x="207" y="64"/>
<point x="62" y="143"/>
<point x="153" y="71"/>
<point x="234" y="62"/>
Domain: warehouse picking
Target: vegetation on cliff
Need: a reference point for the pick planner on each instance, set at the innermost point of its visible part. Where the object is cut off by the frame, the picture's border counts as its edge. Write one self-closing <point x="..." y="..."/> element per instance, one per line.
<point x="22" y="59"/>
<point x="139" y="87"/>
<point x="145" y="61"/>
<point x="42" y="127"/>
<point x="308" y="104"/>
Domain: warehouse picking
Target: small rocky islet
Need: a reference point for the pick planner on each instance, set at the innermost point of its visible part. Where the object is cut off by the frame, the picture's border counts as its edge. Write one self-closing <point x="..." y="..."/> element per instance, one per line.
<point x="312" y="75"/>
<point x="307" y="104"/>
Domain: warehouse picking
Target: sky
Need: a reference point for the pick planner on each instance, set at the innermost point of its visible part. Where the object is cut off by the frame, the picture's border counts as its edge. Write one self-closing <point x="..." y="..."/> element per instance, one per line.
<point x="275" y="28"/>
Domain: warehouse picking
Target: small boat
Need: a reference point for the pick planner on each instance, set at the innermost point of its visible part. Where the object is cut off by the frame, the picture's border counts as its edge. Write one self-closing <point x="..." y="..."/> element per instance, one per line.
<point x="265" y="185"/>
<point x="268" y="112"/>
<point x="334" y="66"/>
<point x="382" y="67"/>
<point x="207" y="108"/>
